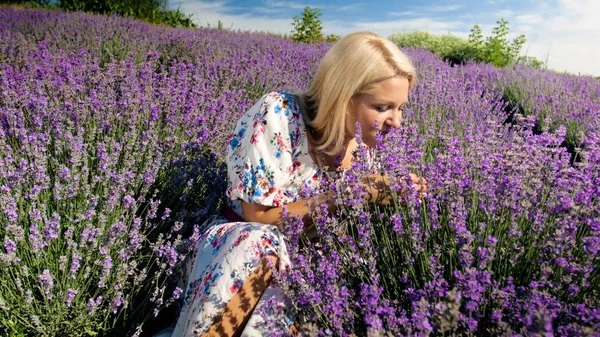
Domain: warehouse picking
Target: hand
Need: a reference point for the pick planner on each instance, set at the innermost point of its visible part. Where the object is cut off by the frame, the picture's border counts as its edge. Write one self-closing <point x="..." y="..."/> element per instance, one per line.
<point x="378" y="188"/>
<point x="420" y="184"/>
<point x="379" y="191"/>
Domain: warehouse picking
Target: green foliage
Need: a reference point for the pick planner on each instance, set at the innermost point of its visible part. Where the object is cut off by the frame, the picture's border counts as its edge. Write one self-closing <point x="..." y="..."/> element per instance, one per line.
<point x="308" y="28"/>
<point x="122" y="7"/>
<point x="462" y="54"/>
<point x="442" y="45"/>
<point x="531" y="61"/>
<point x="30" y="3"/>
<point x="332" y="38"/>
<point x="153" y="11"/>
<point x="497" y="49"/>
<point x="453" y="49"/>
<point x="173" y="18"/>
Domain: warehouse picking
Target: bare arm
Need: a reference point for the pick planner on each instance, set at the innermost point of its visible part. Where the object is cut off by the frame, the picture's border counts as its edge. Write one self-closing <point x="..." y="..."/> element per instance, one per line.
<point x="274" y="215"/>
<point x="378" y="192"/>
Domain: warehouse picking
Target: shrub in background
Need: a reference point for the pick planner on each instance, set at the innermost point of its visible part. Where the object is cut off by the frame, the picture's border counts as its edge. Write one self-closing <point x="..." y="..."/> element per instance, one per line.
<point x="495" y="49"/>
<point x="442" y="45"/>
<point x="307" y="28"/>
<point x="154" y="11"/>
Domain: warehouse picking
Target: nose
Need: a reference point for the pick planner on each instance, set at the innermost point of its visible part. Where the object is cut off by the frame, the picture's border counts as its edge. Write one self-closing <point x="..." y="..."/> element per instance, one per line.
<point x="395" y="119"/>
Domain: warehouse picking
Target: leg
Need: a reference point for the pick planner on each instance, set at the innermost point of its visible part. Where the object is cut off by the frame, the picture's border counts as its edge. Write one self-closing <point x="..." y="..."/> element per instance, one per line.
<point x="273" y="313"/>
<point x="228" y="254"/>
<point x="238" y="310"/>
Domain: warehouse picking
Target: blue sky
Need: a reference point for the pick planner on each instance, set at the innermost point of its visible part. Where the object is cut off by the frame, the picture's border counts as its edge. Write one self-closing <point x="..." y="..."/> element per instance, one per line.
<point x="566" y="33"/>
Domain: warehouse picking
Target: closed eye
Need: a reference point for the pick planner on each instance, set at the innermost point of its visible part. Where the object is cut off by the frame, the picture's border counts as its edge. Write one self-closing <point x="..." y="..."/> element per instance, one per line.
<point x="381" y="108"/>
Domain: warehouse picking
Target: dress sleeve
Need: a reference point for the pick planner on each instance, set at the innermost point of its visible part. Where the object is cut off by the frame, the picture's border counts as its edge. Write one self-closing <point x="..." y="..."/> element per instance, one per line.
<point x="261" y="156"/>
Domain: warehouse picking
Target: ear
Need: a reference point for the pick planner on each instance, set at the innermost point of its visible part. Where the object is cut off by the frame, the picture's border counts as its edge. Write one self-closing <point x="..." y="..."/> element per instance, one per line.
<point x="351" y="104"/>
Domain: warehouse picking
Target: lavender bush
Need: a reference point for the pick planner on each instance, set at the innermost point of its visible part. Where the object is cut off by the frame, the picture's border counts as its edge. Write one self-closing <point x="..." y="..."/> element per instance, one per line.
<point x="111" y="159"/>
<point x="112" y="134"/>
<point x="506" y="243"/>
<point x="553" y="99"/>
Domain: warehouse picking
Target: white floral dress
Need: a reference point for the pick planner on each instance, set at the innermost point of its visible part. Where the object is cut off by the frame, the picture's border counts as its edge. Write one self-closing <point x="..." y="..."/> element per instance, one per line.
<point x="268" y="163"/>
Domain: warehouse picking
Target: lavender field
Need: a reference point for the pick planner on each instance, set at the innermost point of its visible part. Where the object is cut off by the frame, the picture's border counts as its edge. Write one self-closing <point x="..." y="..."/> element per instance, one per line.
<point x="113" y="134"/>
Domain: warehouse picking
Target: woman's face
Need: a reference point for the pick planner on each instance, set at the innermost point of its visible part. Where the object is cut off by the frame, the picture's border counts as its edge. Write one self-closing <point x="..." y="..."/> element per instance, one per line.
<point x="382" y="104"/>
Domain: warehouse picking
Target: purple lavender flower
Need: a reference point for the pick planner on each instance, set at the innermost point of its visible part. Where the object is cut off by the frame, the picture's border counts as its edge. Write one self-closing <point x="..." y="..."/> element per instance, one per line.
<point x="75" y="264"/>
<point x="9" y="245"/>
<point x="47" y="283"/>
<point x="106" y="268"/>
<point x="510" y="225"/>
<point x="37" y="242"/>
<point x="52" y="228"/>
<point x="71" y="293"/>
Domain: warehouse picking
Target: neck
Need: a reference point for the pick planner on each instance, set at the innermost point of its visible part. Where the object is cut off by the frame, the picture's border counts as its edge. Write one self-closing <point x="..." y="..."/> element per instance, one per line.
<point x="341" y="160"/>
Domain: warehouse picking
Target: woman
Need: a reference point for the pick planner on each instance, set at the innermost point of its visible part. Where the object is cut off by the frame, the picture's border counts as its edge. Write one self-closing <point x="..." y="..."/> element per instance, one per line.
<point x="281" y="146"/>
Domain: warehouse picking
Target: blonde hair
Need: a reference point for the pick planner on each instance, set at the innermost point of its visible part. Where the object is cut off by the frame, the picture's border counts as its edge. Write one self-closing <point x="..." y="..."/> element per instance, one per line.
<point x="351" y="67"/>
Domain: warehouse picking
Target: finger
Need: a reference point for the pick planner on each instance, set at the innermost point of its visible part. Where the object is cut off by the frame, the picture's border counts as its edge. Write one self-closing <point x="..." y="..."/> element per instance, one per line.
<point x="422" y="188"/>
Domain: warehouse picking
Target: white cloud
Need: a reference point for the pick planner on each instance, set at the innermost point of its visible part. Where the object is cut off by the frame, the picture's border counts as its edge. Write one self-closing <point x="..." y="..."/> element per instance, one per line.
<point x="570" y="37"/>
<point x="285" y="4"/>
<point x="398" y="26"/>
<point x="405" y="13"/>
<point x="268" y="10"/>
<point x="504" y="13"/>
<point x="211" y="13"/>
<point x="524" y="29"/>
<point x="439" y="9"/>
<point x="532" y="19"/>
<point x="350" y="7"/>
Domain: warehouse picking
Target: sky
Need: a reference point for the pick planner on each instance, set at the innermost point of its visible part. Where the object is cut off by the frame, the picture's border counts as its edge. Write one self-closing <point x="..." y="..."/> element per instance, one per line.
<point x="564" y="33"/>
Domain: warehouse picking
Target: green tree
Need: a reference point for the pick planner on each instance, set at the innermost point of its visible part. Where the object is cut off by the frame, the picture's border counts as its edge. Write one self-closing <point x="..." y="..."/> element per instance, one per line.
<point x="476" y="40"/>
<point x="154" y="11"/>
<point x="307" y="28"/>
<point x="34" y="3"/>
<point x="496" y="48"/>
<point x="123" y="7"/>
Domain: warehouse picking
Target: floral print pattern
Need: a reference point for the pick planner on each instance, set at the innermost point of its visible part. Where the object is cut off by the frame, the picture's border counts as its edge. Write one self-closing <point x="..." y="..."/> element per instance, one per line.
<point x="269" y="164"/>
<point x="229" y="252"/>
<point x="274" y="168"/>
